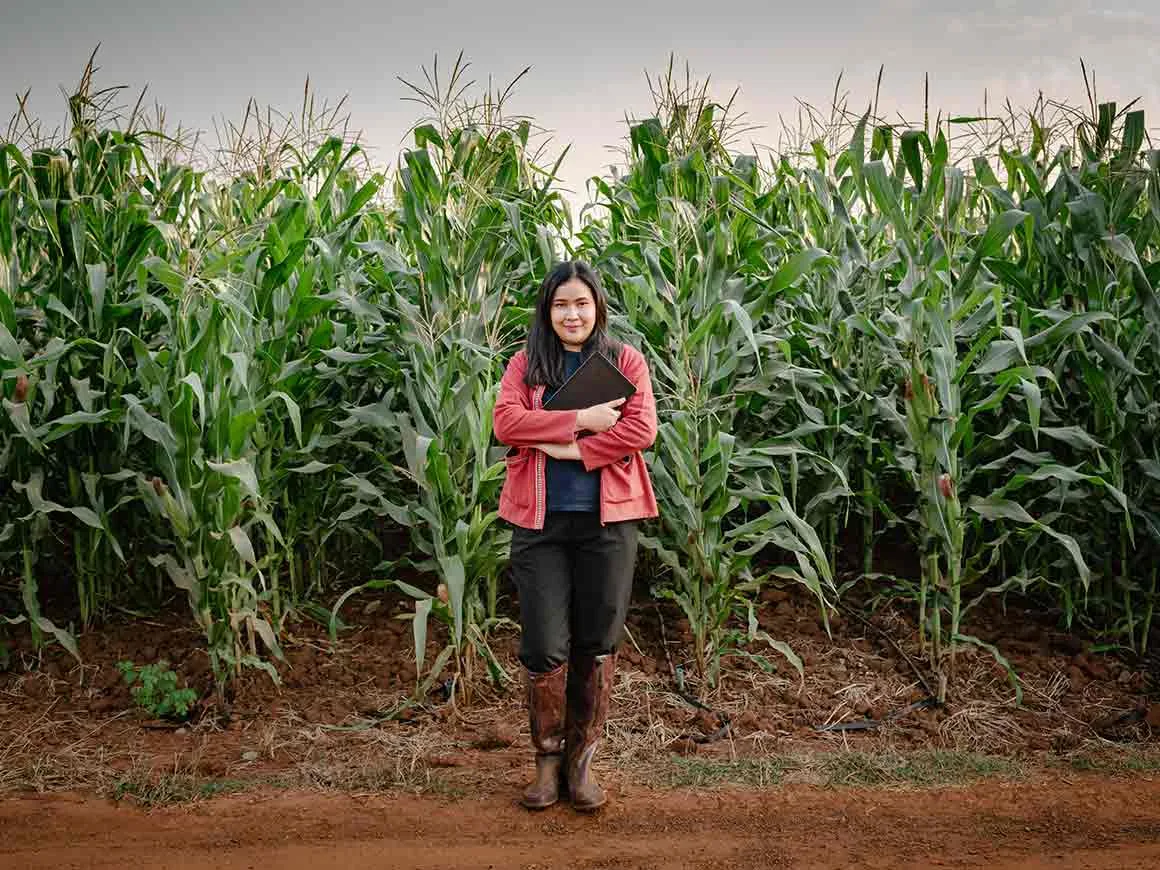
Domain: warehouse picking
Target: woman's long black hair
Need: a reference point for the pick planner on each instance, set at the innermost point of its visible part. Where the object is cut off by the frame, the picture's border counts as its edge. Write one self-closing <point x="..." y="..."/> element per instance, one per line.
<point x="545" y="350"/>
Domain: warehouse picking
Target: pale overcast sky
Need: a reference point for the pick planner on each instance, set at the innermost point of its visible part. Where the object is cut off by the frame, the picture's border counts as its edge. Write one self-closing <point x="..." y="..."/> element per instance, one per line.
<point x="204" y="59"/>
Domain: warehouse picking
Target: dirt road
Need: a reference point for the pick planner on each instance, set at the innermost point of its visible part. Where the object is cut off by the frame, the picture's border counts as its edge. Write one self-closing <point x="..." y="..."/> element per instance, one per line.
<point x="1084" y="822"/>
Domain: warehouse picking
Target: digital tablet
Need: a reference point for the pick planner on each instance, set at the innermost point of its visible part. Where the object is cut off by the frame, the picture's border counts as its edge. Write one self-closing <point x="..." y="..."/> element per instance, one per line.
<point x="595" y="382"/>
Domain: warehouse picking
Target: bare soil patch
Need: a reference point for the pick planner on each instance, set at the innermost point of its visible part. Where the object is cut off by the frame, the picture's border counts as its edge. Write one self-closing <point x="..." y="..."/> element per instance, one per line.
<point x="1091" y="823"/>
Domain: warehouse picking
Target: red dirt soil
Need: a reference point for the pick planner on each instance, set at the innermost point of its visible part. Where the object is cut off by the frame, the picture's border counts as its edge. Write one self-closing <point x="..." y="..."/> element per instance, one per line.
<point x="1084" y="822"/>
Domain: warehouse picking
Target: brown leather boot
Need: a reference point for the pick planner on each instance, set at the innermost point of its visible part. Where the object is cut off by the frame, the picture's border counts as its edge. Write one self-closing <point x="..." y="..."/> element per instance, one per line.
<point x="546" y="705"/>
<point x="589" y="689"/>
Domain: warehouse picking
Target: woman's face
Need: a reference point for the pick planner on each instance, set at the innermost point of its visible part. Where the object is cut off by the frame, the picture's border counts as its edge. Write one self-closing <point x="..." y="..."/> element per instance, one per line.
<point x="573" y="313"/>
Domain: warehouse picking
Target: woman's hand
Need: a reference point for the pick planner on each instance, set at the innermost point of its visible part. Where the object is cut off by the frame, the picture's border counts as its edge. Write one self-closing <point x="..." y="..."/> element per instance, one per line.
<point x="561" y="451"/>
<point x="599" y="418"/>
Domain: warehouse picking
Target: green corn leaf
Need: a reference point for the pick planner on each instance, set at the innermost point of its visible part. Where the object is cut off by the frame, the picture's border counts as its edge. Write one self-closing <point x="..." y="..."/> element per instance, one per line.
<point x="242" y="471"/>
<point x="348" y="594"/>
<point x="990" y="245"/>
<point x="292" y="410"/>
<point x="1150" y="467"/>
<point x="992" y="508"/>
<point x="312" y="467"/>
<point x="785" y="649"/>
<point x="266" y="632"/>
<point x="243" y="545"/>
<point x="912" y="157"/>
<point x="85" y="395"/>
<point x="18" y="414"/>
<point x="437" y="667"/>
<point x="792" y="271"/>
<point x="1073" y="548"/>
<point x="1073" y="436"/>
<point x="157" y="431"/>
<point x="419" y="632"/>
<point x="10" y="348"/>
<point x="1034" y="399"/>
<point x="98" y="278"/>
<point x="195" y="384"/>
<point x="63" y="637"/>
<point x="1012" y="676"/>
<point x="32" y="490"/>
<point x="886" y="198"/>
<point x="741" y="316"/>
<point x="345" y="356"/>
<point x="452" y="570"/>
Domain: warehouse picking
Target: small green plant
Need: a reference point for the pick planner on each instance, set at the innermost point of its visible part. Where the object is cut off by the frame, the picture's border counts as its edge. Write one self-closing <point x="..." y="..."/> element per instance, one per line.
<point x="157" y="692"/>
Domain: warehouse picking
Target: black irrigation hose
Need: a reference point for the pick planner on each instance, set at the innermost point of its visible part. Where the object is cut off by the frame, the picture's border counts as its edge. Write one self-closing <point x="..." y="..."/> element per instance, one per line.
<point x="871" y="724"/>
<point x="930" y="693"/>
<point x="678" y="687"/>
<point x="719" y="734"/>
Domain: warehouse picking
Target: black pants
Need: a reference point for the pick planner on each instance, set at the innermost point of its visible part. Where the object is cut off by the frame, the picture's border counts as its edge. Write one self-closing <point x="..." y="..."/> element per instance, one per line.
<point x="574" y="580"/>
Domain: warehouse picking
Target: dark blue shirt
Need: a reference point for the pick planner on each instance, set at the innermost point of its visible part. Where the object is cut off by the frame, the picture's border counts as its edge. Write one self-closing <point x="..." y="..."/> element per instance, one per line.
<point x="571" y="488"/>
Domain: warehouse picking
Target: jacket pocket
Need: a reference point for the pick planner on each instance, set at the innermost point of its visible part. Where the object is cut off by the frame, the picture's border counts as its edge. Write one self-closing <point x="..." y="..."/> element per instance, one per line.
<point x="520" y="478"/>
<point x="621" y="480"/>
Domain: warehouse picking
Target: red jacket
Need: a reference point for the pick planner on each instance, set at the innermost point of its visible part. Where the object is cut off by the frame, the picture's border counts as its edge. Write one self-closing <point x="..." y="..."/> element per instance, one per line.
<point x="626" y="492"/>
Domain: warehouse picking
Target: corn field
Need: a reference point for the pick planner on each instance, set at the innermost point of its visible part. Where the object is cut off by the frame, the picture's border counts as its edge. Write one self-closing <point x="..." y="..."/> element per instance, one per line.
<point x="913" y="363"/>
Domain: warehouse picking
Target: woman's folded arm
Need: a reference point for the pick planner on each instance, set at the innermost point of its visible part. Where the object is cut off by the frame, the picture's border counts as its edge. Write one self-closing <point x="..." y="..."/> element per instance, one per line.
<point x="636" y="430"/>
<point x="514" y="421"/>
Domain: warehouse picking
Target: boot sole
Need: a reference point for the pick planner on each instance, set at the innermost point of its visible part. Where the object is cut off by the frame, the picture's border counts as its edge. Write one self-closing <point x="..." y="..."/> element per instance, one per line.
<point x="537" y="807"/>
<point x="589" y="807"/>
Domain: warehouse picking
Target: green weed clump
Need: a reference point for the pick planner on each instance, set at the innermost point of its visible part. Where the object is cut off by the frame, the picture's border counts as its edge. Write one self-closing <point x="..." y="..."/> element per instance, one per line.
<point x="154" y="690"/>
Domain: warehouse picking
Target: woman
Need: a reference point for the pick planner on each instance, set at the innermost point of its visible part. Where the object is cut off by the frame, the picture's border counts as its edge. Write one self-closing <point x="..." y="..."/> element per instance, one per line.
<point x="574" y="502"/>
